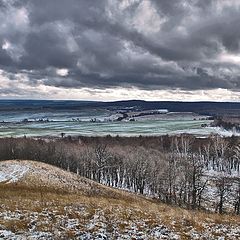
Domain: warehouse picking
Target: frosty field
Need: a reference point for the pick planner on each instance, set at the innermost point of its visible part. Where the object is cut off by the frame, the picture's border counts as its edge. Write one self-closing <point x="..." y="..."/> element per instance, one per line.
<point x="154" y="127"/>
<point x="79" y="123"/>
<point x="51" y="118"/>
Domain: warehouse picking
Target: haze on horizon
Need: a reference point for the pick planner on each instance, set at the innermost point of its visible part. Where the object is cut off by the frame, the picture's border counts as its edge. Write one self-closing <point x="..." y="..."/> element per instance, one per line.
<point x="110" y="50"/>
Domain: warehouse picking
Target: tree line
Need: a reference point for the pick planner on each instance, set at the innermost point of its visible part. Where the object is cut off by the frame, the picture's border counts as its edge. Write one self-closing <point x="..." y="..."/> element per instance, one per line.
<point x="181" y="170"/>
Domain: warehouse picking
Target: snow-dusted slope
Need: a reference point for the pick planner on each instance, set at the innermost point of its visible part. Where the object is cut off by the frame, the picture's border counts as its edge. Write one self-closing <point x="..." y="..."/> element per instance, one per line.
<point x="38" y="174"/>
<point x="83" y="209"/>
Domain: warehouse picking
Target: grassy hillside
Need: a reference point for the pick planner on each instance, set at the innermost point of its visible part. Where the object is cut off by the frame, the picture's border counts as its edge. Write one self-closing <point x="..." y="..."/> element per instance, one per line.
<point x="44" y="202"/>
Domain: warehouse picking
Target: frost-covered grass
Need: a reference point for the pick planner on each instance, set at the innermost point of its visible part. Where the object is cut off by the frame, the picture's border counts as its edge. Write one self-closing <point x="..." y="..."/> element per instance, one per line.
<point x="70" y="216"/>
<point x="92" y="211"/>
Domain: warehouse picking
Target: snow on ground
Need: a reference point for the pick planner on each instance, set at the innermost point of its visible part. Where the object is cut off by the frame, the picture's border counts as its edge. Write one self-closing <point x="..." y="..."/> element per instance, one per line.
<point x="86" y="222"/>
<point x="33" y="173"/>
<point x="81" y="223"/>
<point x="210" y="195"/>
<point x="89" y="218"/>
<point x="12" y="172"/>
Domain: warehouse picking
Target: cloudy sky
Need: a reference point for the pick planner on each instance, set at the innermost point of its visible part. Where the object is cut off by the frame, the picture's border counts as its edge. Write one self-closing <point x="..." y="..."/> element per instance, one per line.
<point x="120" y="49"/>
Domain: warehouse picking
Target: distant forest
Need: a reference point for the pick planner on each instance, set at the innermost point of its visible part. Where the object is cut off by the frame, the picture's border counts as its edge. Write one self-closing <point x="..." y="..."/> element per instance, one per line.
<point x="207" y="108"/>
<point x="185" y="171"/>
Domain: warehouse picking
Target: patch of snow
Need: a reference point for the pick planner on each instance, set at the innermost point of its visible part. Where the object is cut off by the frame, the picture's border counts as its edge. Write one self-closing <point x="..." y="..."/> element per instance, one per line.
<point x="162" y="232"/>
<point x="4" y="234"/>
<point x="12" y="172"/>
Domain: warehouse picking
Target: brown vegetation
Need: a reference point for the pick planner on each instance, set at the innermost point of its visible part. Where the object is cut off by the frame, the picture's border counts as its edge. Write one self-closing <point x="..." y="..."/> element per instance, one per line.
<point x="146" y="213"/>
<point x="171" y="169"/>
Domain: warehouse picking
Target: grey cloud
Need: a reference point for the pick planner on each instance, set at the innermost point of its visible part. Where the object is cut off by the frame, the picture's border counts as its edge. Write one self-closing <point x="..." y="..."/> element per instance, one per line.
<point x="102" y="48"/>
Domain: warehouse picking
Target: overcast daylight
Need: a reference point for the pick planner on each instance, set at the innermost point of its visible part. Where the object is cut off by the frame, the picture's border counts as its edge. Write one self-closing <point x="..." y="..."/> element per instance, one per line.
<point x="120" y="119"/>
<point x="112" y="50"/>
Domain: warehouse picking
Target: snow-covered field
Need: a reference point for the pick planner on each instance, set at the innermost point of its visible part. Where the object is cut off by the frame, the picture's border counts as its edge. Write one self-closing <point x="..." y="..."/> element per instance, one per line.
<point x="122" y="128"/>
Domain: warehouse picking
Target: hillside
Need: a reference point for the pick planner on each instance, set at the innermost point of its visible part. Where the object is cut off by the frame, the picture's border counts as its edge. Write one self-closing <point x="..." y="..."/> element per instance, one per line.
<point x="39" y="201"/>
<point x="34" y="174"/>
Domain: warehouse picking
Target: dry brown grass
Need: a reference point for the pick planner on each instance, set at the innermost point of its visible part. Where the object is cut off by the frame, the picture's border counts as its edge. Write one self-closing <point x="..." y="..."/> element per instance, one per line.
<point x="15" y="225"/>
<point x="11" y="194"/>
<point x="133" y="207"/>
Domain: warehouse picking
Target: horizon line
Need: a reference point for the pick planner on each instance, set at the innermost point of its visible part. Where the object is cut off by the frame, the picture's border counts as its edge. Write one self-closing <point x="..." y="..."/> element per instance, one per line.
<point x="120" y="100"/>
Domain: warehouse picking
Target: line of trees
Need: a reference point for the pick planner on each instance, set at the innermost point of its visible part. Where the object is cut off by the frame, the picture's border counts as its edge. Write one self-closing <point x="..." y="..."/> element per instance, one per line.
<point x="188" y="172"/>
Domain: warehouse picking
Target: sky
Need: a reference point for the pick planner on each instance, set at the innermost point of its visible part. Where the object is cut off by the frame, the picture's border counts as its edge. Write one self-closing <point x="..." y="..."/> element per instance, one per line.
<point x="186" y="50"/>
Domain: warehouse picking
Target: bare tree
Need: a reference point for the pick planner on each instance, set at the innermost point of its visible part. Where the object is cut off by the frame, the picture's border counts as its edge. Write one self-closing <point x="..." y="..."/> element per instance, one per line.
<point x="223" y="185"/>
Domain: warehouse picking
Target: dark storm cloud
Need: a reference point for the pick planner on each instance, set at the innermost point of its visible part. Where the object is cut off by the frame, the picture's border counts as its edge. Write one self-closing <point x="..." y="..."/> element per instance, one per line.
<point x="155" y="44"/>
